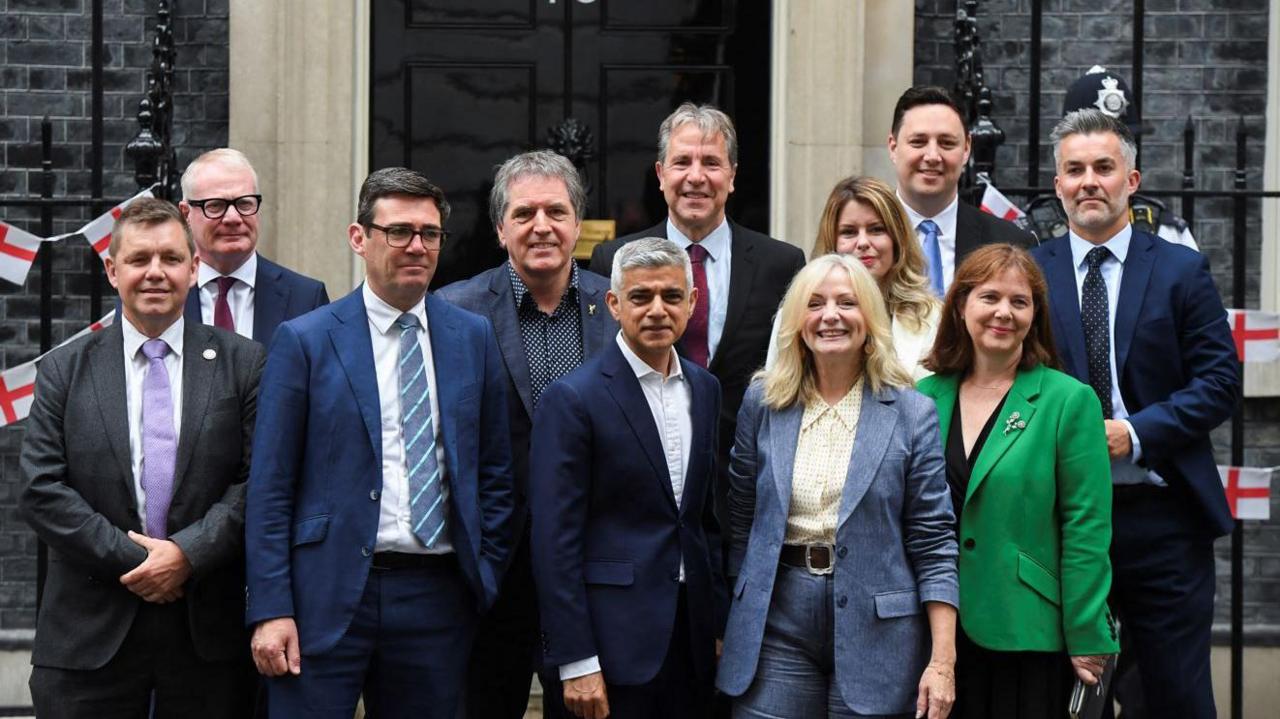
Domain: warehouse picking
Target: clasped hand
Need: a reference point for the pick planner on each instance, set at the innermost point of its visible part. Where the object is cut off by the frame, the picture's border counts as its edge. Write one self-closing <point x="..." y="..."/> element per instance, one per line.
<point x="160" y="577"/>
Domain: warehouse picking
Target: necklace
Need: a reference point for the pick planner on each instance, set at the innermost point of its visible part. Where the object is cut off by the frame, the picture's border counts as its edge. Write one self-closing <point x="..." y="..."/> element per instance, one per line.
<point x="999" y="387"/>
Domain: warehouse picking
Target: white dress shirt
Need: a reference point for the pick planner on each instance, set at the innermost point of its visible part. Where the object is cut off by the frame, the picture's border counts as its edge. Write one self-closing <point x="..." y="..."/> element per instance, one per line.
<point x="671" y="404"/>
<point x="395" y="526"/>
<point x="239" y="297"/>
<point x="135" y="373"/>
<point x="1122" y="471"/>
<point x="946" y="222"/>
<point x="718" y="245"/>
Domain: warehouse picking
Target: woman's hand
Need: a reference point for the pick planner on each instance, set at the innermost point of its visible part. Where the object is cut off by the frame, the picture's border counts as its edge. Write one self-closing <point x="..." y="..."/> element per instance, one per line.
<point x="1089" y="668"/>
<point x="937" y="690"/>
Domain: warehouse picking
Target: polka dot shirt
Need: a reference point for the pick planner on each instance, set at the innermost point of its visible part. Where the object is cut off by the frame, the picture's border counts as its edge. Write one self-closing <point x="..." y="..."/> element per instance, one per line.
<point x="552" y="342"/>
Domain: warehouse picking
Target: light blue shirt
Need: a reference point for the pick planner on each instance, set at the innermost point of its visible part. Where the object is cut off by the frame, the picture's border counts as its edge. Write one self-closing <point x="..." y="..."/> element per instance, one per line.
<point x="1112" y="269"/>
<point x="717" y="244"/>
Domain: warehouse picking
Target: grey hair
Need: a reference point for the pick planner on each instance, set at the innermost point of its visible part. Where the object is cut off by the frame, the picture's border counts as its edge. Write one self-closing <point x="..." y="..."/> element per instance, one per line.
<point x="539" y="163"/>
<point x="224" y="156"/>
<point x="397" y="181"/>
<point x="650" y="252"/>
<point x="708" y="119"/>
<point x="1091" y="121"/>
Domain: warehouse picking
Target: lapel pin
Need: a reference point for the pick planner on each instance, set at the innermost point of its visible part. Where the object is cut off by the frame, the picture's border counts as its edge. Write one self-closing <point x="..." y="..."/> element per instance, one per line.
<point x="1014" y="422"/>
<point x="209" y="354"/>
<point x="591" y="310"/>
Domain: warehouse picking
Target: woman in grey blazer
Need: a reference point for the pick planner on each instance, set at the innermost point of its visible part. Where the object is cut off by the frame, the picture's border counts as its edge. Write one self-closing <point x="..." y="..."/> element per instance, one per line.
<point x="843" y="542"/>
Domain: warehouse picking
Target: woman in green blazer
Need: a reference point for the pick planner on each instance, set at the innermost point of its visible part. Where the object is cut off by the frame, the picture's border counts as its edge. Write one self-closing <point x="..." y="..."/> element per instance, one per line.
<point x="1027" y="462"/>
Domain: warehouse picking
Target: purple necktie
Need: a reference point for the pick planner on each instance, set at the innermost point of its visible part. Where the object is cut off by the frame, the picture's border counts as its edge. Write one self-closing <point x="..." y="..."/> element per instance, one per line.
<point x="222" y="306"/>
<point x="159" y="441"/>
<point x="695" y="333"/>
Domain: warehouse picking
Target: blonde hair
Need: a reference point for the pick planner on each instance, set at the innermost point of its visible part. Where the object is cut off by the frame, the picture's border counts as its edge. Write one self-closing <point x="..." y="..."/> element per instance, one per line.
<point x="792" y="377"/>
<point x="906" y="284"/>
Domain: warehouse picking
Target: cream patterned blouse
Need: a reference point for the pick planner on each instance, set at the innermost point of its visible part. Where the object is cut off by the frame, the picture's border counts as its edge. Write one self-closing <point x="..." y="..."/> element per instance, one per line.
<point x="822" y="463"/>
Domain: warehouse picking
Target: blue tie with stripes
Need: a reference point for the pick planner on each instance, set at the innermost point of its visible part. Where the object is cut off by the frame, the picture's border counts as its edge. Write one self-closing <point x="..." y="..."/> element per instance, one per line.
<point x="426" y="491"/>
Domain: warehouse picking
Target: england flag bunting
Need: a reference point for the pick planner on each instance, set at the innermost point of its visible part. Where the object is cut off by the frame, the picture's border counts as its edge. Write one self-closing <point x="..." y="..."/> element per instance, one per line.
<point x="98" y="231"/>
<point x="1248" y="491"/>
<point x="18" y="385"/>
<point x="995" y="203"/>
<point x="1256" y="334"/>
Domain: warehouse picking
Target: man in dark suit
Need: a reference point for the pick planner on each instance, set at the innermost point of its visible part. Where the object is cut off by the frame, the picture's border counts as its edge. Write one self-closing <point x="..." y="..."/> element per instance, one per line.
<point x="929" y="148"/>
<point x="1140" y="320"/>
<point x="740" y="274"/>
<point x="133" y="470"/>
<point x="625" y="543"/>
<point x="379" y="505"/>
<point x="239" y="289"/>
<point x="549" y="316"/>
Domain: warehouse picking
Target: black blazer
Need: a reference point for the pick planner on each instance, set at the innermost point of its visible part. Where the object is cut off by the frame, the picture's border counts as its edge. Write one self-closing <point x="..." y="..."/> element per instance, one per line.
<point x="78" y="493"/>
<point x="975" y="228"/>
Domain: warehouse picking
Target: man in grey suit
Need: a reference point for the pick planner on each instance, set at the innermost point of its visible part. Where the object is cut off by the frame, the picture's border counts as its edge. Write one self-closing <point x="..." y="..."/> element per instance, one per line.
<point x="549" y="316"/>
<point x="133" y="470"/>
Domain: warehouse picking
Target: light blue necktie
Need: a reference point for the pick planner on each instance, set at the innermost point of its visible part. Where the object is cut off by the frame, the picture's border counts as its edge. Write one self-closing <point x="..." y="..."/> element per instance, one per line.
<point x="933" y="255"/>
<point x="426" y="491"/>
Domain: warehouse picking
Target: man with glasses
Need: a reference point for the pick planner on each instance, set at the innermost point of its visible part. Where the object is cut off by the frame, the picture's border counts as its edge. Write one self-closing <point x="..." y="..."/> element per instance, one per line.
<point x="240" y="290"/>
<point x="378" y="515"/>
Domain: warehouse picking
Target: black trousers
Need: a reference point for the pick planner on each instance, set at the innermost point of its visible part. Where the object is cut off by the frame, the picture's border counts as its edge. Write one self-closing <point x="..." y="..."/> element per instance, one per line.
<point x="503" y="656"/>
<point x="156" y="674"/>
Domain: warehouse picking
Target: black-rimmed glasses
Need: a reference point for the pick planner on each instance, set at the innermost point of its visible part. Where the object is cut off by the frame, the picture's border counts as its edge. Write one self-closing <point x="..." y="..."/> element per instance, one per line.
<point x="399" y="236"/>
<point x="215" y="207"/>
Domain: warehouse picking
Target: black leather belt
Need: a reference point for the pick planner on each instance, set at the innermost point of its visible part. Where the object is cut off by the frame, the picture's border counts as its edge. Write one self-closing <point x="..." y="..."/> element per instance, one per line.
<point x="817" y="558"/>
<point x="405" y="560"/>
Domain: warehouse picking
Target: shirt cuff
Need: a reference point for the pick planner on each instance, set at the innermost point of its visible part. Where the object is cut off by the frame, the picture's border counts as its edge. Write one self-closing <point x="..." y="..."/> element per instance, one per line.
<point x="1135" y="455"/>
<point x="580" y="668"/>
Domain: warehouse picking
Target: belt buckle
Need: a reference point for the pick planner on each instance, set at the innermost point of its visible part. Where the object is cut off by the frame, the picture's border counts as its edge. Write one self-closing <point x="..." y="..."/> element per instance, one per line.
<point x="831" y="559"/>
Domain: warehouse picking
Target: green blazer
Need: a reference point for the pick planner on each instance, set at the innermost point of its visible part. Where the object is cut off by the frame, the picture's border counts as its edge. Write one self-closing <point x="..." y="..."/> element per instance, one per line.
<point x="1036" y="523"/>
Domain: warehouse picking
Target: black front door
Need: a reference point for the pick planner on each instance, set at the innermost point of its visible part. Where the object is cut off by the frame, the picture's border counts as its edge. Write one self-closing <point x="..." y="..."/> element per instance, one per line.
<point x="459" y="86"/>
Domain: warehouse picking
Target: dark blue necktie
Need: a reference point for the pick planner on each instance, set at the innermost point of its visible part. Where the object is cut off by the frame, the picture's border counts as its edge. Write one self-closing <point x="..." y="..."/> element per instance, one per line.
<point x="1095" y="319"/>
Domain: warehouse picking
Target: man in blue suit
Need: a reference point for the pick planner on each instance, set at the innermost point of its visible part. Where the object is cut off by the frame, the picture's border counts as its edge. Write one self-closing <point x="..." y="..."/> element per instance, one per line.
<point x="237" y="289"/>
<point x="626" y="549"/>
<point x="380" y="498"/>
<point x="1140" y="320"/>
<point x="549" y="316"/>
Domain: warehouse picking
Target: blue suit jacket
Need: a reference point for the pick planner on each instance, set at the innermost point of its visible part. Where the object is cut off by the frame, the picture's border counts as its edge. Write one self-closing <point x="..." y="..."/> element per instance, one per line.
<point x="311" y="518"/>
<point x="607" y="536"/>
<point x="895" y="544"/>
<point x="279" y="294"/>
<point x="1175" y="359"/>
<point x="489" y="294"/>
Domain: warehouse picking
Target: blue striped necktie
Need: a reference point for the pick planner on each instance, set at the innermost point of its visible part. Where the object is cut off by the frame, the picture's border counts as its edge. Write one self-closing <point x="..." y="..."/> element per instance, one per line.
<point x="426" y="490"/>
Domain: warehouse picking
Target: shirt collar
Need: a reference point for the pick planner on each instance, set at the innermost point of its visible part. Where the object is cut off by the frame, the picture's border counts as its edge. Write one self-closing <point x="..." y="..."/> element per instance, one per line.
<point x="716" y="244"/>
<point x="247" y="272"/>
<point x="384" y="316"/>
<point x="1118" y="244"/>
<point x="845" y="411"/>
<point x="945" y="220"/>
<point x="133" y="339"/>
<point x="521" y="290"/>
<point x="642" y="368"/>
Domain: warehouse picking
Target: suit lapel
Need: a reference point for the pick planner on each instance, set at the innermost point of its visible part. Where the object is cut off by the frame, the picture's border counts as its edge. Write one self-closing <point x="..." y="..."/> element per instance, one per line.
<point x="945" y="399"/>
<point x="1026" y="387"/>
<point x="1133" y="289"/>
<point x="106" y="362"/>
<point x="270" y="298"/>
<point x="198" y="372"/>
<point x="507" y="327"/>
<point x="354" y="347"/>
<point x="876" y="422"/>
<point x="625" y="390"/>
<point x="446" y="340"/>
<point x="742" y="264"/>
<point x="701" y="449"/>
<point x="784" y="434"/>
<point x="1061" y="275"/>
<point x="968" y="231"/>
<point x="593" y="314"/>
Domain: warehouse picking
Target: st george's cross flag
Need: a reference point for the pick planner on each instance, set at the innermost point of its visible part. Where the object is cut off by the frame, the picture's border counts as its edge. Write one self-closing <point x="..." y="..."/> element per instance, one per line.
<point x="1248" y="491"/>
<point x="995" y="203"/>
<point x="17" y="251"/>
<point x="1256" y="334"/>
<point x="18" y="385"/>
<point x="98" y="231"/>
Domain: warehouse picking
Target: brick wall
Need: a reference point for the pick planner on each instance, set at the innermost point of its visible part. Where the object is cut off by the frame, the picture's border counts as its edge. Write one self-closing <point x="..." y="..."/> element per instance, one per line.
<point x="1203" y="58"/>
<point x="45" y="71"/>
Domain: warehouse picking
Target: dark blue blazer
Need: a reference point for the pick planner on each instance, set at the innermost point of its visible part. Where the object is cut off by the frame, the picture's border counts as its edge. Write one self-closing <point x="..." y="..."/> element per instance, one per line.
<point x="1175" y="359"/>
<point x="311" y="518"/>
<point x="489" y="294"/>
<point x="607" y="536"/>
<point x="279" y="294"/>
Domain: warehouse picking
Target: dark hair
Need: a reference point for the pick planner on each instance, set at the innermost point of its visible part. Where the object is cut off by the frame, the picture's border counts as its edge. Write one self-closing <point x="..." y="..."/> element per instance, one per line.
<point x="925" y="95"/>
<point x="397" y="181"/>
<point x="953" y="347"/>
<point x="149" y="211"/>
